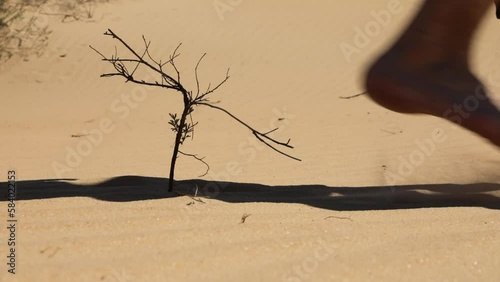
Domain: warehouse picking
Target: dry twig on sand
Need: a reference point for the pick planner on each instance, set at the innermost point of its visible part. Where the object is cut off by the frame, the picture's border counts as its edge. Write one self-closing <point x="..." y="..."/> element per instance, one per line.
<point x="244" y="217"/>
<point x="353" y="96"/>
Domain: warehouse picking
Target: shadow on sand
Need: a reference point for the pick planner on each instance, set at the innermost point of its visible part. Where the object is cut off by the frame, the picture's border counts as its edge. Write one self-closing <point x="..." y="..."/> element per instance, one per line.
<point x="136" y="188"/>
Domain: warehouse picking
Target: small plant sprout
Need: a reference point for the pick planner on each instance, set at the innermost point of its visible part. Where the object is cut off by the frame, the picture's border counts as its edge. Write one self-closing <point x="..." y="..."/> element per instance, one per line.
<point x="182" y="124"/>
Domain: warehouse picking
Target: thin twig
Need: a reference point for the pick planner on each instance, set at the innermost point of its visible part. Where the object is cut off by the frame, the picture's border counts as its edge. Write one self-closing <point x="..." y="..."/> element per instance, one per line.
<point x="209" y="91"/>
<point x="353" y="96"/>
<point x="387" y="131"/>
<point x="192" y="132"/>
<point x="275" y="149"/>
<point x="270" y="131"/>
<point x="172" y="57"/>
<point x="169" y="79"/>
<point x="196" y="76"/>
<point x="199" y="159"/>
<point x="193" y="197"/>
<point x="104" y="57"/>
<point x="244" y="217"/>
<point x="338" y="217"/>
<point x="257" y="134"/>
<point x="146" y="51"/>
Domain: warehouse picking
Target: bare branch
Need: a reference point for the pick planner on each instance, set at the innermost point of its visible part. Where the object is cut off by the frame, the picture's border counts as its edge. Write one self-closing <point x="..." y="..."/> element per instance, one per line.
<point x="261" y="136"/>
<point x="199" y="159"/>
<point x="353" y="96"/>
<point x="130" y="78"/>
<point x="103" y="57"/>
<point x="172" y="57"/>
<point x="173" y="83"/>
<point x="110" y="74"/>
<point x="271" y="131"/>
<point x="196" y="76"/>
<point x="146" y="51"/>
<point x="258" y="136"/>
<point x="164" y="79"/>
<point x="209" y="91"/>
<point x="192" y="122"/>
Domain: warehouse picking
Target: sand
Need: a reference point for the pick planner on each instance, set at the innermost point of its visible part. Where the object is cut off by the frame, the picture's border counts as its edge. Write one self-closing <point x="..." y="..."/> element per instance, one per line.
<point x="378" y="196"/>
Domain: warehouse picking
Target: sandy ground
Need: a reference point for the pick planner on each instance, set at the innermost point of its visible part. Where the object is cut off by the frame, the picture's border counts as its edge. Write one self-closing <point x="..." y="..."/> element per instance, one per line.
<point x="378" y="196"/>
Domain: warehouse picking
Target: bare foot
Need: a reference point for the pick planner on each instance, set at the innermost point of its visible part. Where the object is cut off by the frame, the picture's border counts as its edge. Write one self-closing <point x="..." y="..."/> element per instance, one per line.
<point x="443" y="89"/>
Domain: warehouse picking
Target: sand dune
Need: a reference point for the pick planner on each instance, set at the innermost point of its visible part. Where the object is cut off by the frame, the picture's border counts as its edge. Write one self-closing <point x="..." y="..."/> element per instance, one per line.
<point x="359" y="207"/>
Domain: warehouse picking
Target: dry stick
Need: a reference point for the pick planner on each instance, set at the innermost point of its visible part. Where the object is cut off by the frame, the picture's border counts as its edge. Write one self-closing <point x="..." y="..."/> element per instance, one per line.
<point x="387" y="131"/>
<point x="143" y="54"/>
<point x="245" y="124"/>
<point x="199" y="159"/>
<point x="171" y="61"/>
<point x="194" y="124"/>
<point x="353" y="96"/>
<point x="244" y="217"/>
<point x="209" y="91"/>
<point x="194" y="198"/>
<point x="178" y="137"/>
<point x="260" y="136"/>
<point x="169" y="78"/>
<point x="196" y="76"/>
<point x="185" y="112"/>
<point x="187" y="105"/>
<point x="338" y="217"/>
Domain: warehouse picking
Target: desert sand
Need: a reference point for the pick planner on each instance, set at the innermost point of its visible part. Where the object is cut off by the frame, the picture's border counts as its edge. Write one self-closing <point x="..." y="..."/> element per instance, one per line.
<point x="378" y="196"/>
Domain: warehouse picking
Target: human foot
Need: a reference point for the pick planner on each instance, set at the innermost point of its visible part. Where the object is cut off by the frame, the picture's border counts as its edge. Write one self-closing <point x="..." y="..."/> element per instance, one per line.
<point x="443" y="89"/>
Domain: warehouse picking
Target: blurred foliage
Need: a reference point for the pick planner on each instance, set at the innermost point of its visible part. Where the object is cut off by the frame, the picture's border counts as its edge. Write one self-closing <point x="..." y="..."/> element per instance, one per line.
<point x="21" y="31"/>
<point x="24" y="24"/>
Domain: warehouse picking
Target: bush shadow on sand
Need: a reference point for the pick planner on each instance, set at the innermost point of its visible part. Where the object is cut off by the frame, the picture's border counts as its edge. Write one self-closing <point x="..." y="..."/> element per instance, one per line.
<point x="139" y="188"/>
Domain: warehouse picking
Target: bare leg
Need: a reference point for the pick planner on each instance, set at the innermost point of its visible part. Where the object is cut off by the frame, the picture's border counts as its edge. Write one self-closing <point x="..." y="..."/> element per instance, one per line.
<point x="497" y="4"/>
<point x="427" y="69"/>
